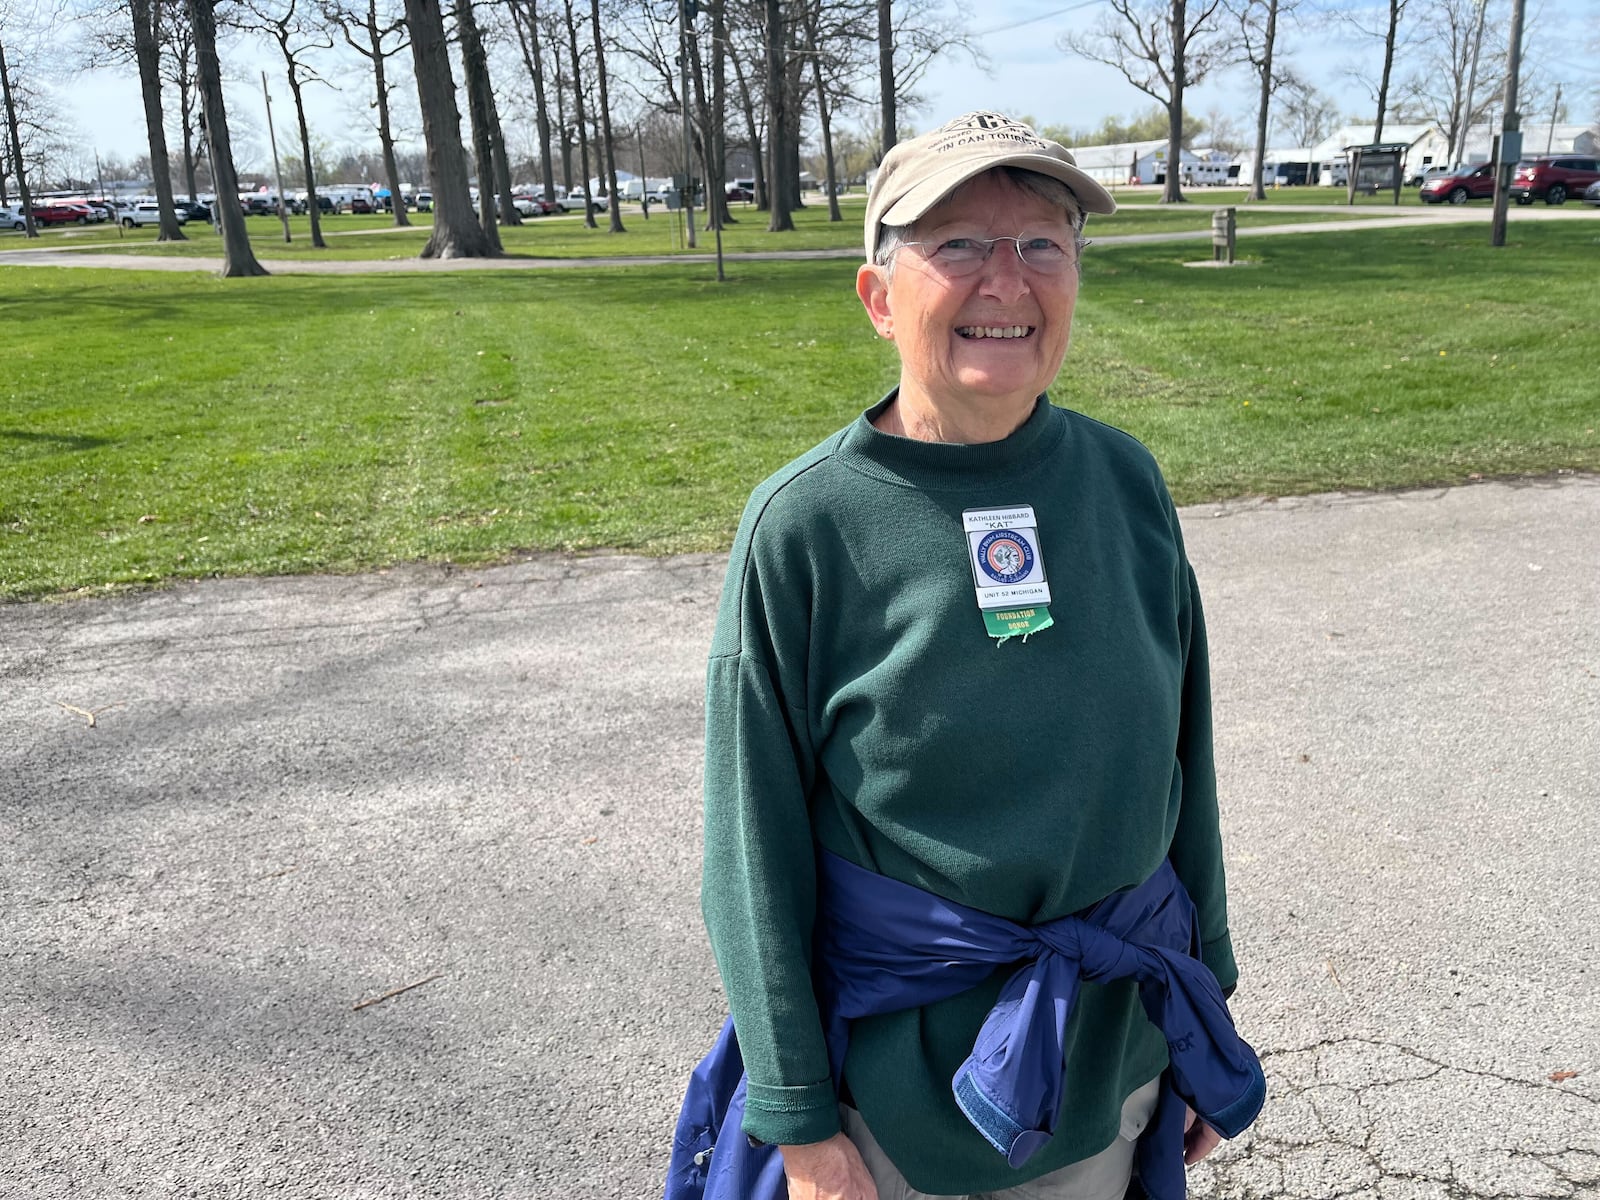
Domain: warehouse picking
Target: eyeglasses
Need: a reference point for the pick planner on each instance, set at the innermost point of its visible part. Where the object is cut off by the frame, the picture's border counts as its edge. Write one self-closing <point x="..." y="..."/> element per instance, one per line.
<point x="960" y="256"/>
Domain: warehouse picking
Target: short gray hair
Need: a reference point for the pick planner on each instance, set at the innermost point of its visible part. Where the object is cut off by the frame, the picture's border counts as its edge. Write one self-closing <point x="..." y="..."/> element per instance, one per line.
<point x="1052" y="191"/>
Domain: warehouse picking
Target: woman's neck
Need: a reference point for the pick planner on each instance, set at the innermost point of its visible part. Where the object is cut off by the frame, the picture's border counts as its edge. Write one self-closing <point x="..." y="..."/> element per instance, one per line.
<point x="919" y="417"/>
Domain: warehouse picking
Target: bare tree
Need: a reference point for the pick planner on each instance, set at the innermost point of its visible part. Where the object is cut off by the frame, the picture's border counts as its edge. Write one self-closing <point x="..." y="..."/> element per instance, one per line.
<point x="1384" y="24"/>
<point x="814" y="51"/>
<point x="780" y="186"/>
<point x="889" y="118"/>
<point x="176" y="63"/>
<point x="614" y="206"/>
<point x="525" y="19"/>
<point x="1443" y="86"/>
<point x="14" y="136"/>
<point x="1258" y="39"/>
<point x="1306" y="114"/>
<point x="238" y="259"/>
<point x="577" y="102"/>
<point x="456" y="231"/>
<point x="716" y="135"/>
<point x="375" y="30"/>
<point x="488" y="144"/>
<point x="753" y="131"/>
<point x="1161" y="47"/>
<point x="147" y="52"/>
<point x="297" y="36"/>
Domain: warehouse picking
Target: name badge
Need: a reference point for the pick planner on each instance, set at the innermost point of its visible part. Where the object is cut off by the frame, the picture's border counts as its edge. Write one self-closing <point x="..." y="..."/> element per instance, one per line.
<point x="1008" y="570"/>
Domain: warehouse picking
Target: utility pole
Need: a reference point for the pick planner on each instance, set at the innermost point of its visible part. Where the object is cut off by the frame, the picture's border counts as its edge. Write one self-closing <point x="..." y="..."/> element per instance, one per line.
<point x="1550" y="133"/>
<point x="277" y="171"/>
<point x="1508" y="148"/>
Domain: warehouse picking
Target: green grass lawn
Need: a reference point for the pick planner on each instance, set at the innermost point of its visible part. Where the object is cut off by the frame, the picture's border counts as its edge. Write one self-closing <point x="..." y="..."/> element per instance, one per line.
<point x="158" y="426"/>
<point x="375" y="237"/>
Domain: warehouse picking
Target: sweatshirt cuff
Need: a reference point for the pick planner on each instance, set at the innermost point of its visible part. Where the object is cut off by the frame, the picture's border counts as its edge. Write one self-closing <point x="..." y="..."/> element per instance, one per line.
<point x="1218" y="956"/>
<point x="791" y="1116"/>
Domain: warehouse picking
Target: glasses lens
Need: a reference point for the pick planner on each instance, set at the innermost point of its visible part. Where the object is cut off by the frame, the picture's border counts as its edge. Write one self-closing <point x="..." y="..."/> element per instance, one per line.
<point x="1043" y="254"/>
<point x="961" y="255"/>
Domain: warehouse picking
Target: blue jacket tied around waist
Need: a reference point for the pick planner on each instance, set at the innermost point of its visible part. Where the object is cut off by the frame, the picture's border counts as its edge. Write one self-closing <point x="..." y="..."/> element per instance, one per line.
<point x="883" y="945"/>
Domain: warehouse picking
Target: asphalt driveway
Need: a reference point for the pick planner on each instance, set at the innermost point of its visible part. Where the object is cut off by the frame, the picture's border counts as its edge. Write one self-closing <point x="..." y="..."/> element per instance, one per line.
<point x="239" y="817"/>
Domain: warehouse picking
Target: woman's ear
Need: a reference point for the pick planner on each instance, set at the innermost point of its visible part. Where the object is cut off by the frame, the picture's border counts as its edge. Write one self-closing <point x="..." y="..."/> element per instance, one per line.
<point x="872" y="285"/>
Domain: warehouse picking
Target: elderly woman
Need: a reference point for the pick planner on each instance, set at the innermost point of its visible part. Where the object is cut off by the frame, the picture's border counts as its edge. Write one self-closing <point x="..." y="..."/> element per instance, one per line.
<point x="963" y="877"/>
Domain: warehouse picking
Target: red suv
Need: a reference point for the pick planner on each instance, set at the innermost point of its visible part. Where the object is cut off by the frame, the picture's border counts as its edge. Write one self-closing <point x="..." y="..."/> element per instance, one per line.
<point x="1553" y="177"/>
<point x="55" y="212"/>
<point x="1457" y="187"/>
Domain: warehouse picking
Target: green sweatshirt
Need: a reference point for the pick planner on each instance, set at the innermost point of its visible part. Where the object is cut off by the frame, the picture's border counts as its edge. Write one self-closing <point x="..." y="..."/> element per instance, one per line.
<point x="855" y="701"/>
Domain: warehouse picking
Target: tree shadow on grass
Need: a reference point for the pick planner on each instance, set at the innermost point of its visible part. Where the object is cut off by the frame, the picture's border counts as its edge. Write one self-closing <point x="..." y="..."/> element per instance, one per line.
<point x="54" y="441"/>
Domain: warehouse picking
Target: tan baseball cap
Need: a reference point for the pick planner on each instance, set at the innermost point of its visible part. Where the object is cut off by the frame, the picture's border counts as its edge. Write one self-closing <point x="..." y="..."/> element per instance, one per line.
<point x="916" y="174"/>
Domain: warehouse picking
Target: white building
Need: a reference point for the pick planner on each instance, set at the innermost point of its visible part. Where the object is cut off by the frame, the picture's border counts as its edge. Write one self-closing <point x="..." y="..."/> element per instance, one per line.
<point x="1129" y="162"/>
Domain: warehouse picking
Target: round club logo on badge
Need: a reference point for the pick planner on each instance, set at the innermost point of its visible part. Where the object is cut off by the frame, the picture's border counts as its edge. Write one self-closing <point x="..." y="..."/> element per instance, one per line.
<point x="1005" y="557"/>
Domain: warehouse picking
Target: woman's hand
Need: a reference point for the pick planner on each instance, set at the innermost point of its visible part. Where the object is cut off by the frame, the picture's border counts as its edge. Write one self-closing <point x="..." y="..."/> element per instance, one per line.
<point x="830" y="1170"/>
<point x="1199" y="1139"/>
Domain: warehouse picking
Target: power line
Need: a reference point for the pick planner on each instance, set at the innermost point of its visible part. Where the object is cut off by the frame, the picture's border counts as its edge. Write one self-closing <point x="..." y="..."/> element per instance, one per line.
<point x="1049" y="16"/>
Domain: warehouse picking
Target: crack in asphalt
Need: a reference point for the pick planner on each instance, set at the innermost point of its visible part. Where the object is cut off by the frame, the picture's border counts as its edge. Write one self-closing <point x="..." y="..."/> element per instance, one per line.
<point x="1324" y="1136"/>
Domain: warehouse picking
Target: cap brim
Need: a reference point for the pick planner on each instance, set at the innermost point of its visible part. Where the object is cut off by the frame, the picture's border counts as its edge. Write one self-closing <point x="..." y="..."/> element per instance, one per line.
<point x="1091" y="197"/>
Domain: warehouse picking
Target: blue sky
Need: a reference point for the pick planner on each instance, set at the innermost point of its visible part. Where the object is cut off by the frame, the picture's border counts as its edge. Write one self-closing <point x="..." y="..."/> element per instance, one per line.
<point x="1029" y="75"/>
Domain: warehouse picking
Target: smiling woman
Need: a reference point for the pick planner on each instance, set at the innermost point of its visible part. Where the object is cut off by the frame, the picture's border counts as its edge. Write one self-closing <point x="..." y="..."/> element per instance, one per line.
<point x="927" y="756"/>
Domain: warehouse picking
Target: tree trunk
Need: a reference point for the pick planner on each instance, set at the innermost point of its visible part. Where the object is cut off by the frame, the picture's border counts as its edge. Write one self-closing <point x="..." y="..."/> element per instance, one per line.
<point x="1258" y="189"/>
<point x="1395" y="8"/>
<point x="562" y="131"/>
<point x="391" y="168"/>
<point x="313" y="209"/>
<point x="189" y="179"/>
<point x="532" y="58"/>
<point x="15" y="137"/>
<point x="1172" y="191"/>
<point x="583" y="136"/>
<point x="614" y="205"/>
<point x="757" y="151"/>
<point x="480" y="111"/>
<point x="502" y="169"/>
<point x="1460" y="148"/>
<point x="238" y="258"/>
<point x="147" y="51"/>
<point x="889" y="117"/>
<point x="704" y="118"/>
<point x="456" y="231"/>
<point x="717" y="183"/>
<point x="831" y="182"/>
<point x="780" y="186"/>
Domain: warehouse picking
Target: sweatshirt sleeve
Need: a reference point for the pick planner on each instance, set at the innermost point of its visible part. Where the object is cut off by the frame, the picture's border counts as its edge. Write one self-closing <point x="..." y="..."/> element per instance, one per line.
<point x="1196" y="852"/>
<point x="758" y="889"/>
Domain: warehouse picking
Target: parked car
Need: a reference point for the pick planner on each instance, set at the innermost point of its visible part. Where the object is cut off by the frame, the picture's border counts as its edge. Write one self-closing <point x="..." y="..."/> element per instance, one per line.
<point x="1467" y="183"/>
<point x="1553" y="177"/>
<point x="58" y="212"/>
<point x="573" y="201"/>
<point x="193" y="210"/>
<point x="424" y="201"/>
<point x="737" y="194"/>
<point x="12" y="218"/>
<point x="530" y="205"/>
<point x="1421" y="175"/>
<point x="149" y="213"/>
<point x="362" y="204"/>
<point x="1591" y="194"/>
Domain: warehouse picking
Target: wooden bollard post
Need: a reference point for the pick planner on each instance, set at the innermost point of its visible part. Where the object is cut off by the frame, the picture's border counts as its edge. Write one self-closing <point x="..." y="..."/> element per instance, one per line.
<point x="1223" y="229"/>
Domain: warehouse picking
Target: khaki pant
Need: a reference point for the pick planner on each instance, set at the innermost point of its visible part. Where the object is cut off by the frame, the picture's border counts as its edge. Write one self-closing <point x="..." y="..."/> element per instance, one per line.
<point x="1104" y="1176"/>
